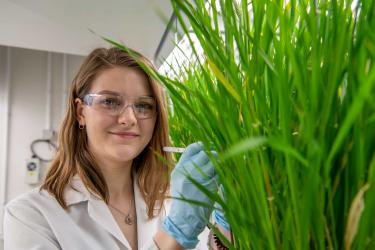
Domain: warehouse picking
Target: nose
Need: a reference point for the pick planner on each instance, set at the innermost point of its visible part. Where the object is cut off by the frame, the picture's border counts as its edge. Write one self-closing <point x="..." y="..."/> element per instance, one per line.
<point x="127" y="116"/>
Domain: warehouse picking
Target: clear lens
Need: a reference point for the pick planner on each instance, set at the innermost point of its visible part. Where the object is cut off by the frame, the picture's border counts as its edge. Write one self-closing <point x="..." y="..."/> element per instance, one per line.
<point x="143" y="106"/>
<point x="108" y="102"/>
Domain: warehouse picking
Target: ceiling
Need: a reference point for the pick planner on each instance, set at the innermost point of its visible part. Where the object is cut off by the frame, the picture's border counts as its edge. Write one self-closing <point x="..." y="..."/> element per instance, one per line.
<point x="64" y="25"/>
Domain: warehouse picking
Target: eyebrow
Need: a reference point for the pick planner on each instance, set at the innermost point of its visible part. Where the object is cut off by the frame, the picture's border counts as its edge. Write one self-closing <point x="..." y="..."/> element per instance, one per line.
<point x="117" y="93"/>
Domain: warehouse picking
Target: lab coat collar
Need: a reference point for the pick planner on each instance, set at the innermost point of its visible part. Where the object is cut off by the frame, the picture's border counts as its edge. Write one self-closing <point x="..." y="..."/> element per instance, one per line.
<point x="99" y="211"/>
<point x="76" y="192"/>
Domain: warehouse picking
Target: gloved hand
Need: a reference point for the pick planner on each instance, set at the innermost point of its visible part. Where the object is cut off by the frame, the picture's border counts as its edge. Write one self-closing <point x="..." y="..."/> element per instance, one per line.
<point x="185" y="220"/>
<point x="218" y="213"/>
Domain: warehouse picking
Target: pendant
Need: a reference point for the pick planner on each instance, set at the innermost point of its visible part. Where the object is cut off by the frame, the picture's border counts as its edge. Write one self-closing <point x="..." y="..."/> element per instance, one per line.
<point x="128" y="220"/>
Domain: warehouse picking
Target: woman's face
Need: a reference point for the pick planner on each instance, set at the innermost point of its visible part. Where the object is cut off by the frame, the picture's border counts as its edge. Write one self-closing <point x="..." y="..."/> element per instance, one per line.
<point x="117" y="137"/>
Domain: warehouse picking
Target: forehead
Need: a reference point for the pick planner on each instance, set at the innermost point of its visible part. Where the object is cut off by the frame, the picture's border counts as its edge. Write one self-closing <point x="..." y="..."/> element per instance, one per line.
<point x="123" y="80"/>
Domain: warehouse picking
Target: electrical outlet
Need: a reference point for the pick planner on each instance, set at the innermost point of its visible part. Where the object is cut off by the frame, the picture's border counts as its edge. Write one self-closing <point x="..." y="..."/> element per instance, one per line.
<point x="32" y="171"/>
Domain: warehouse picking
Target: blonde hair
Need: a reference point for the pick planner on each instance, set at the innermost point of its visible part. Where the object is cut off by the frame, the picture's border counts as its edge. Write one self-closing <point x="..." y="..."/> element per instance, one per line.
<point x="73" y="156"/>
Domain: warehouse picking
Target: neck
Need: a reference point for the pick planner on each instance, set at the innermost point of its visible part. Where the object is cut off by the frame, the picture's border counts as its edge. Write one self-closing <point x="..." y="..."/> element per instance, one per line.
<point x="118" y="178"/>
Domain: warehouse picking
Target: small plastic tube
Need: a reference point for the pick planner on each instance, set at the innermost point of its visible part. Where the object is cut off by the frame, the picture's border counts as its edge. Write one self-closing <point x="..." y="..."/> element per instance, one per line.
<point x="173" y="149"/>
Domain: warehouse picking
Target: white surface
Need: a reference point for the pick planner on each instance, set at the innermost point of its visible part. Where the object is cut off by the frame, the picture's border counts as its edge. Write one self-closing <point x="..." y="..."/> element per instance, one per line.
<point x="4" y="127"/>
<point x="27" y="110"/>
<point x="63" y="26"/>
<point x="42" y="222"/>
<point x="173" y="149"/>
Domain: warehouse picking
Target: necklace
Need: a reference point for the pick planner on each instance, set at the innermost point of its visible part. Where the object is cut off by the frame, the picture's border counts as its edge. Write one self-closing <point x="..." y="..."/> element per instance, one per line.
<point x="129" y="219"/>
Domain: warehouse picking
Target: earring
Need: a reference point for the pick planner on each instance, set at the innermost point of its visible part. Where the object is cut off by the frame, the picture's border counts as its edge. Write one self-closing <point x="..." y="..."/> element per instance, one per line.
<point x="81" y="126"/>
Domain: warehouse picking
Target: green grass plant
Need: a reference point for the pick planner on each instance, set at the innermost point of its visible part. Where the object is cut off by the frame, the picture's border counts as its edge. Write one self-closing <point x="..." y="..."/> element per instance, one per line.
<point x="284" y="92"/>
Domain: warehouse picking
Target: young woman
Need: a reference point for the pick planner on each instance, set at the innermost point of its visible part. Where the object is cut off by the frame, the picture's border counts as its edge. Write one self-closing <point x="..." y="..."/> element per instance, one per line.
<point x="106" y="187"/>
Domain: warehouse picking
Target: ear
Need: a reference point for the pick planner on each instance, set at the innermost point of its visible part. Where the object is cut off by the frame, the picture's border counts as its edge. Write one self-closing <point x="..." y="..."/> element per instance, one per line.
<point x="80" y="111"/>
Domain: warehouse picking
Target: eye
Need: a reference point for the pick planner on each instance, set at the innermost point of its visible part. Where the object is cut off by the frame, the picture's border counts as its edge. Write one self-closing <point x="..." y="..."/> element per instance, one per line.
<point x="110" y="102"/>
<point x="144" y="106"/>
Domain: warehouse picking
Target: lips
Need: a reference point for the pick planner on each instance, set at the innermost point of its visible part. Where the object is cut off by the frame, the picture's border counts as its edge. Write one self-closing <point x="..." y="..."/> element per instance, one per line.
<point x="125" y="134"/>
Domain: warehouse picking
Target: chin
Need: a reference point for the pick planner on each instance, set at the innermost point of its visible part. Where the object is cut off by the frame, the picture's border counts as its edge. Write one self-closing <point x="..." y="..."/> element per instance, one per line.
<point x="125" y="155"/>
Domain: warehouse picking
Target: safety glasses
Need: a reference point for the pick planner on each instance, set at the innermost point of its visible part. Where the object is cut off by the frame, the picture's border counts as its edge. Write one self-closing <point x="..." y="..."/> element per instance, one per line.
<point x="144" y="107"/>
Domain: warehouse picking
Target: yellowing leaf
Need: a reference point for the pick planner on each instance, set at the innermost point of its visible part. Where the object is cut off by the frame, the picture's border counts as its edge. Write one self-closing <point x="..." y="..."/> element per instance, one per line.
<point x="224" y="81"/>
<point x="355" y="212"/>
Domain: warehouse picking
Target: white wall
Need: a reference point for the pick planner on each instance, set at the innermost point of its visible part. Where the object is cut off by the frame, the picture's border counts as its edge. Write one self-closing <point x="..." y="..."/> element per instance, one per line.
<point x="28" y="110"/>
<point x="63" y="26"/>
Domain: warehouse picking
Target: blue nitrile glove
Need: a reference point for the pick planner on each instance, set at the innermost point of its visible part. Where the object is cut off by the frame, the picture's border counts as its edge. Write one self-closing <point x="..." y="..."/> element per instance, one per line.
<point x="220" y="219"/>
<point x="186" y="221"/>
<point x="218" y="213"/>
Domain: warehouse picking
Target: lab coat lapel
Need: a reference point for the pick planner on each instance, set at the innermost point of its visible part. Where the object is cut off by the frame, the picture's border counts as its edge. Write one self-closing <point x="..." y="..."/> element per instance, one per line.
<point x="146" y="228"/>
<point x="100" y="213"/>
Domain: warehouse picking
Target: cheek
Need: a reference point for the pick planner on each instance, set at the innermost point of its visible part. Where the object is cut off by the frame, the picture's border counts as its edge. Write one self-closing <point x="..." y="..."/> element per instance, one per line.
<point x="148" y="128"/>
<point x="96" y="125"/>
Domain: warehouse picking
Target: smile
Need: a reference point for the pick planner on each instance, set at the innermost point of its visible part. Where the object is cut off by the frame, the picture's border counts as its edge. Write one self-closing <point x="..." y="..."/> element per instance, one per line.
<point x="125" y="135"/>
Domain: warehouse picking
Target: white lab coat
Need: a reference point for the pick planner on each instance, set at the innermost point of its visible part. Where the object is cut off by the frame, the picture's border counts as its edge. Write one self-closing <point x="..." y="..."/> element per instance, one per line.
<point x="36" y="221"/>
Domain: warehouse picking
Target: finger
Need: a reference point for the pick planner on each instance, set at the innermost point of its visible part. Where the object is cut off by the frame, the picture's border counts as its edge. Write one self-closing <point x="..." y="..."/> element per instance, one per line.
<point x="210" y="170"/>
<point x="214" y="153"/>
<point x="203" y="162"/>
<point x="200" y="159"/>
<point x="191" y="150"/>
